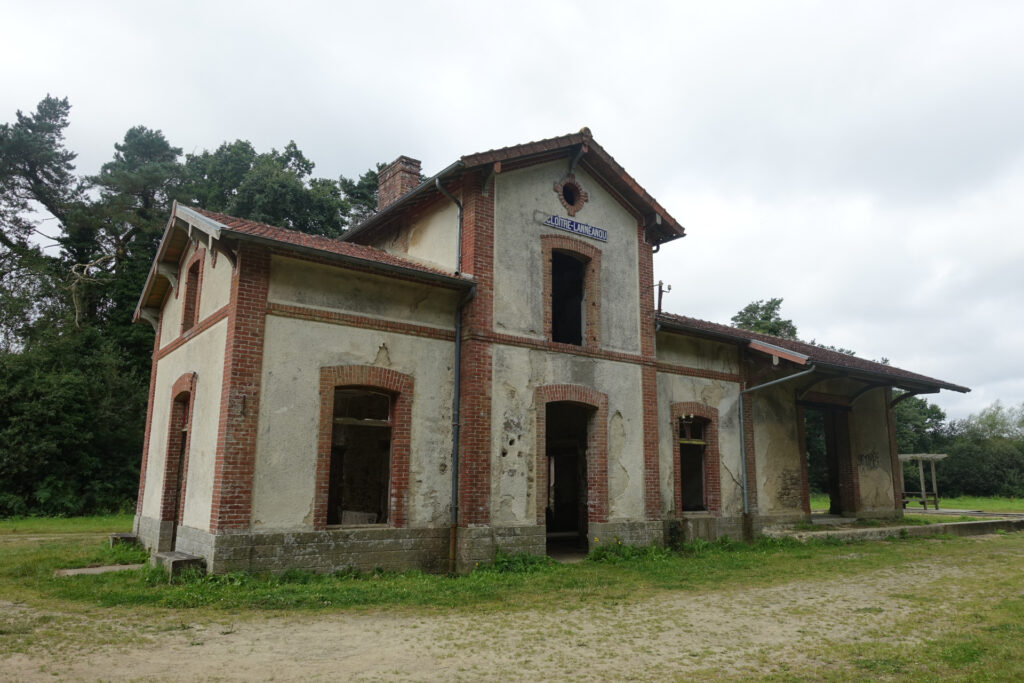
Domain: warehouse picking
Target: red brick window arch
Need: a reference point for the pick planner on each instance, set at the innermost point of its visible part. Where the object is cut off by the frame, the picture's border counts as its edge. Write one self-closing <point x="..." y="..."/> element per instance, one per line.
<point x="697" y="471"/>
<point x="363" y="450"/>
<point x="571" y="291"/>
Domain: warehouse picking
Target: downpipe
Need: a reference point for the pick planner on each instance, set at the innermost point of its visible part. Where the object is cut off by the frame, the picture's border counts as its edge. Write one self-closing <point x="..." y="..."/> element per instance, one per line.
<point x="457" y="392"/>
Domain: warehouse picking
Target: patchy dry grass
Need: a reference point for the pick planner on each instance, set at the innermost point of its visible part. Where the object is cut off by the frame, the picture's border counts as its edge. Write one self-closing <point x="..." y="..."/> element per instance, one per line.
<point x="936" y="608"/>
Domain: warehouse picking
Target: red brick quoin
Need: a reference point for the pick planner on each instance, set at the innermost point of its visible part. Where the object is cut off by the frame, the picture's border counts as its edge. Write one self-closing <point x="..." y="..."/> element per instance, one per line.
<point x="400" y="387"/>
<point x="597" y="446"/>
<point x="712" y="468"/>
<point x="183" y="397"/>
<point x="591" y="256"/>
<point x="240" y="396"/>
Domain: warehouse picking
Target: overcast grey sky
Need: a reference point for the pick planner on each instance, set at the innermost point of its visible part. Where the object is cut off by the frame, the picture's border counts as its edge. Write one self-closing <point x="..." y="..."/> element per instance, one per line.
<point x="862" y="160"/>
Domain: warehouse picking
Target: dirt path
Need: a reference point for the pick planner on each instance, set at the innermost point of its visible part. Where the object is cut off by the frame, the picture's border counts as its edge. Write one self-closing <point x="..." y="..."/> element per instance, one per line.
<point x="734" y="632"/>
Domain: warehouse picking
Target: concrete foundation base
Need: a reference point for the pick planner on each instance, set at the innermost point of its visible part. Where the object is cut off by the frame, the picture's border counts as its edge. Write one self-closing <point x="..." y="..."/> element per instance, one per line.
<point x="123" y="539"/>
<point x="175" y="562"/>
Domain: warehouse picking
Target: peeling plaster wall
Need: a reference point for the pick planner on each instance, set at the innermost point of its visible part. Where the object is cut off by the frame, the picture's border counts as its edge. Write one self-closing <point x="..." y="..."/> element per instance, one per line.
<point x="869" y="444"/>
<point x="779" y="471"/>
<point x="693" y="352"/>
<point x="215" y="293"/>
<point x="203" y="355"/>
<point x="431" y="237"/>
<point x="517" y="373"/>
<point x="301" y="283"/>
<point x="716" y="394"/>
<point x="524" y="199"/>
<point x="286" y="449"/>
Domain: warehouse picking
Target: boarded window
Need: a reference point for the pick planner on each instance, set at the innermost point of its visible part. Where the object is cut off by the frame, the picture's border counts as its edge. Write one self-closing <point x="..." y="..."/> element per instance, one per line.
<point x="359" y="479"/>
<point x="567" y="295"/>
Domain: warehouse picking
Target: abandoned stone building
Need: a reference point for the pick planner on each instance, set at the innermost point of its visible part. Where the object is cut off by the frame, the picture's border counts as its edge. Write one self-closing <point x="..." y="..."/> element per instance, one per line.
<point x="479" y="365"/>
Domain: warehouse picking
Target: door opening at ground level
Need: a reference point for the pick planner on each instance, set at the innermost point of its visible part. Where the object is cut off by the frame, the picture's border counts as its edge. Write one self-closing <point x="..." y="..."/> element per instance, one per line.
<point x="567" y="429"/>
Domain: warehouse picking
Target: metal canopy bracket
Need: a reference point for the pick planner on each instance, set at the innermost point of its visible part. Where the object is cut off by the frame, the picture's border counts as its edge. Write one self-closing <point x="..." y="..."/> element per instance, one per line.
<point x="909" y="394"/>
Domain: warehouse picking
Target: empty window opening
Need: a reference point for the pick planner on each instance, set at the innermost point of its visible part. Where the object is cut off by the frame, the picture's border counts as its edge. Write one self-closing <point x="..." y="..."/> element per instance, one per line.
<point x="190" y="308"/>
<point x="567" y="295"/>
<point x="570" y="194"/>
<point x="567" y="427"/>
<point x="692" y="457"/>
<point x="359" y="481"/>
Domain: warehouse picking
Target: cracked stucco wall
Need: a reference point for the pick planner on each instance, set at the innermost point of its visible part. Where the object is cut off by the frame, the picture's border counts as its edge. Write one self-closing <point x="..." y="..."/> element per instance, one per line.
<point x="294" y="352"/>
<point x="517" y="373"/>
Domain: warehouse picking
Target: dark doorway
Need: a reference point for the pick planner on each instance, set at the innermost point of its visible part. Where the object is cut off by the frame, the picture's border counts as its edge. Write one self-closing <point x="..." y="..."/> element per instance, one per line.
<point x="360" y="473"/>
<point x="827" y="436"/>
<point x="567" y="427"/>
<point x="177" y="451"/>
<point x="567" y="277"/>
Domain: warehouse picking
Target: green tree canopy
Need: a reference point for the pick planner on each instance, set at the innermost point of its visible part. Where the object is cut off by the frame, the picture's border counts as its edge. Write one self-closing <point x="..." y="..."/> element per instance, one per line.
<point x="763" y="316"/>
<point x="74" y="370"/>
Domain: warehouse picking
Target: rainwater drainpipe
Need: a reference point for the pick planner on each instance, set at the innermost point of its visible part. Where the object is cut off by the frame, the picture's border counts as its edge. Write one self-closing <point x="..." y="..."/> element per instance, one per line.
<point x="456" y="394"/>
<point x="743" y="432"/>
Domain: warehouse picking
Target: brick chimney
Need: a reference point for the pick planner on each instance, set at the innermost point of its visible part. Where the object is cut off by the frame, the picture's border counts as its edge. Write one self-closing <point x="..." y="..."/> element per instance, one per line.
<point x="397" y="178"/>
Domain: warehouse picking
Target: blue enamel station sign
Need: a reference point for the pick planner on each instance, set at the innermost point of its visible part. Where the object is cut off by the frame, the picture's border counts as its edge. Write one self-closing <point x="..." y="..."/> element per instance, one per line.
<point x="575" y="227"/>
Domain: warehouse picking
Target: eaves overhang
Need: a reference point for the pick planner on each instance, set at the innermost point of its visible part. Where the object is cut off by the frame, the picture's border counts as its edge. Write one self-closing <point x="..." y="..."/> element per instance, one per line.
<point x="577" y="148"/>
<point x="186" y="224"/>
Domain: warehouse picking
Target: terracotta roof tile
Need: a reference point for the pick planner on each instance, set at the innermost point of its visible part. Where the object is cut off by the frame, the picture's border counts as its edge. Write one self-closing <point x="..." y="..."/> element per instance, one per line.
<point x="815" y="354"/>
<point x="318" y="242"/>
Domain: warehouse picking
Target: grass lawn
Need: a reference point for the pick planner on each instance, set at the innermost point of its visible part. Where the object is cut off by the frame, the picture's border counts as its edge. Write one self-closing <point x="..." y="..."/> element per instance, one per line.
<point x="66" y="525"/>
<point x="819" y="502"/>
<point x="975" y="632"/>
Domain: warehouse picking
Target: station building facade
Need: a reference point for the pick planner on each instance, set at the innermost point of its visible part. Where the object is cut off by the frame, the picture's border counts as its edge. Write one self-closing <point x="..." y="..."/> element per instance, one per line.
<point x="480" y="365"/>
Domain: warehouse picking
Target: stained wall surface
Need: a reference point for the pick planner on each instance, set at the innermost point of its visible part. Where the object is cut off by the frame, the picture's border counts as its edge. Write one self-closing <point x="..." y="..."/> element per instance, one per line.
<point x="720" y="395"/>
<point x="294" y="352"/>
<point x="870" y="447"/>
<point x="517" y="373"/>
<point x="215" y="294"/>
<point x="301" y="283"/>
<point x="203" y="355"/>
<point x="779" y="477"/>
<point x="523" y="200"/>
<point x="430" y="237"/>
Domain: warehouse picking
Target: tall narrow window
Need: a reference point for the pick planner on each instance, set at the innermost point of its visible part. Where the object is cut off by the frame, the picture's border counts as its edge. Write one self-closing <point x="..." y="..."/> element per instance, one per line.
<point x="692" y="455"/>
<point x="190" y="308"/>
<point x="360" y="468"/>
<point x="567" y="296"/>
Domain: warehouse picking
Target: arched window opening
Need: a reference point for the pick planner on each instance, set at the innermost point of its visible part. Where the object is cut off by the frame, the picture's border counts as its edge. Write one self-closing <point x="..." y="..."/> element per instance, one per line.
<point x="692" y="462"/>
<point x="360" y="467"/>
<point x="568" y="274"/>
